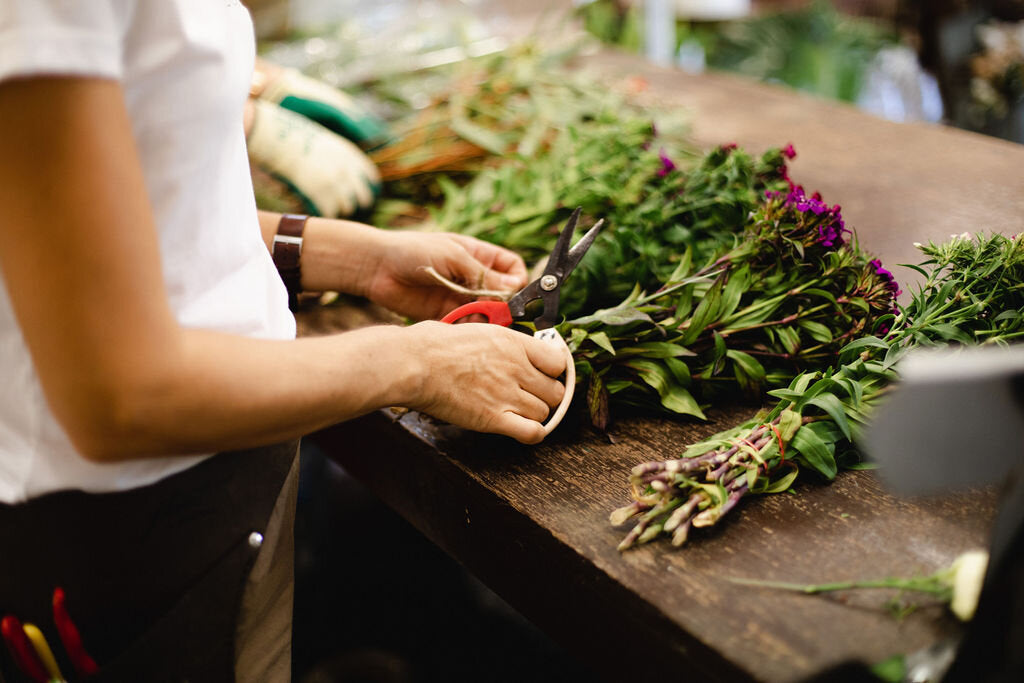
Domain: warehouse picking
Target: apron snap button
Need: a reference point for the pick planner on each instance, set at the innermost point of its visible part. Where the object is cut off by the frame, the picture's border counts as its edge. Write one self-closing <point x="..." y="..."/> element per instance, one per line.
<point x="255" y="539"/>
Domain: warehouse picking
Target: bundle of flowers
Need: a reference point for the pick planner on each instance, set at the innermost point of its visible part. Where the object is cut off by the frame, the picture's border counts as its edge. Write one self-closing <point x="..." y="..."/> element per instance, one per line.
<point x="973" y="294"/>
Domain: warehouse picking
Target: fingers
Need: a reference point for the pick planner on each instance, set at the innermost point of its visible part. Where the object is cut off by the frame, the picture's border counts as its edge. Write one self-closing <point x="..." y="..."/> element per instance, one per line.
<point x="546" y="389"/>
<point x="548" y="358"/>
<point x="503" y="268"/>
<point x="532" y="407"/>
<point x="522" y="429"/>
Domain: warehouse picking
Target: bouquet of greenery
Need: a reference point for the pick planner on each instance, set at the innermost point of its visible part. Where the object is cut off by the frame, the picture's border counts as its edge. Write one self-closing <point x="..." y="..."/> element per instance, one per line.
<point x="973" y="294"/>
<point x="790" y="292"/>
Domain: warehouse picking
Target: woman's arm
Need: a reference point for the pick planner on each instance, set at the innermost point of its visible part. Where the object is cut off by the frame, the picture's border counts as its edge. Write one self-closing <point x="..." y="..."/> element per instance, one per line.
<point x="388" y="266"/>
<point x="80" y="258"/>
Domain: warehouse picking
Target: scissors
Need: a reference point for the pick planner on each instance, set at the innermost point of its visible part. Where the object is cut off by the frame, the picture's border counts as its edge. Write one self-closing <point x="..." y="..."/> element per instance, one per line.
<point x="562" y="261"/>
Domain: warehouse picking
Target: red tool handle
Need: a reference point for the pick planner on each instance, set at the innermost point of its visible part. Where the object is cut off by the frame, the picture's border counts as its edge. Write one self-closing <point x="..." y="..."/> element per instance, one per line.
<point x="496" y="312"/>
<point x="84" y="664"/>
<point x="21" y="649"/>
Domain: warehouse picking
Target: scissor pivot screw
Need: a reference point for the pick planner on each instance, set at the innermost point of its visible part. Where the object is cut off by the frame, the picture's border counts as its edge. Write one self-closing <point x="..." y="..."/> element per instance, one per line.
<point x="548" y="282"/>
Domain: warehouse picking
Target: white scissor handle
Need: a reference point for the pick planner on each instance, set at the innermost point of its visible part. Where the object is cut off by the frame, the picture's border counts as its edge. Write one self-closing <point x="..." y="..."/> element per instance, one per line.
<point x="551" y="336"/>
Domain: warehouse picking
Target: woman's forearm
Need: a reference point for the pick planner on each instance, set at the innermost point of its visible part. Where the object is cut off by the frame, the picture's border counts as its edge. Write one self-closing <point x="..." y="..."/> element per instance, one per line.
<point x="210" y="391"/>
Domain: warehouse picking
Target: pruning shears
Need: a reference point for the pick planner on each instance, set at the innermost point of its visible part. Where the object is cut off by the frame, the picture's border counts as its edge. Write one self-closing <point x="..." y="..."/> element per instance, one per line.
<point x="562" y="261"/>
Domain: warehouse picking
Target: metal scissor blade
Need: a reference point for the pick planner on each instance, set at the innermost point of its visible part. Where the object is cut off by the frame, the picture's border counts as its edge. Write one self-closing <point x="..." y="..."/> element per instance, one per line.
<point x="560" y="254"/>
<point x="580" y="248"/>
<point x="561" y="263"/>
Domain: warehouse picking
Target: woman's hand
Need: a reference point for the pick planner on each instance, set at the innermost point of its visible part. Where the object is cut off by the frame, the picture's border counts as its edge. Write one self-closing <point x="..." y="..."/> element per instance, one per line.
<point x="487" y="378"/>
<point x="401" y="282"/>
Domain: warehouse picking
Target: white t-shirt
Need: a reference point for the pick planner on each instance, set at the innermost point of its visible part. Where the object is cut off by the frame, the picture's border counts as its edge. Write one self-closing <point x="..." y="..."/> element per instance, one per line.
<point x="185" y="68"/>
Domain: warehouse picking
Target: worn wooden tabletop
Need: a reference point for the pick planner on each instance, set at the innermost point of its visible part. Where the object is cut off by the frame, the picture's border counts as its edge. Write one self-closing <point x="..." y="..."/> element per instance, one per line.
<point x="532" y="522"/>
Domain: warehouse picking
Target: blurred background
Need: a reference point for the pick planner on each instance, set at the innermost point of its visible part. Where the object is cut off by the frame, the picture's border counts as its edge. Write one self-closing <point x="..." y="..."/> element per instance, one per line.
<point x="957" y="62"/>
<point x="376" y="601"/>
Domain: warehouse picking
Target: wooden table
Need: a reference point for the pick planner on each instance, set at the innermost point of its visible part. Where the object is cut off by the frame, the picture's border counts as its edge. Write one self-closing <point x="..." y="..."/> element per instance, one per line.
<point x="532" y="523"/>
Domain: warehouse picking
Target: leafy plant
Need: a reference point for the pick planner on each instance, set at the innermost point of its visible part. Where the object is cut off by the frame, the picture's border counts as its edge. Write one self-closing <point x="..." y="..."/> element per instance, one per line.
<point x="973" y="294"/>
<point x="786" y="296"/>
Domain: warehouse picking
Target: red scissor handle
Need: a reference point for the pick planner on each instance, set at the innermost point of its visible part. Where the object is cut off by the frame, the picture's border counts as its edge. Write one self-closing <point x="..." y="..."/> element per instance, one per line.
<point x="496" y="312"/>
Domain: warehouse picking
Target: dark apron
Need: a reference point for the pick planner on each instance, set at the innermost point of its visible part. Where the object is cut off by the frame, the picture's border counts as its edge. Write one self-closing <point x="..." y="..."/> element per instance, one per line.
<point x="153" y="576"/>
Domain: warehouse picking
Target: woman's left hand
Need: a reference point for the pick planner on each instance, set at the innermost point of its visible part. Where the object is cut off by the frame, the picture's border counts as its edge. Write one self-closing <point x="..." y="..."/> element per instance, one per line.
<point x="402" y="284"/>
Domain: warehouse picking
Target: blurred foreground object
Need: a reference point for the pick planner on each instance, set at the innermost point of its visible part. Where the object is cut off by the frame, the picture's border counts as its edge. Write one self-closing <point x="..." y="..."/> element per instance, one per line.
<point x="957" y="420"/>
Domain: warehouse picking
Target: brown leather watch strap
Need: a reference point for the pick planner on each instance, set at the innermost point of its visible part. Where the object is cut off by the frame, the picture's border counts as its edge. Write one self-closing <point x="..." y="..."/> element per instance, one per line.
<point x="287" y="253"/>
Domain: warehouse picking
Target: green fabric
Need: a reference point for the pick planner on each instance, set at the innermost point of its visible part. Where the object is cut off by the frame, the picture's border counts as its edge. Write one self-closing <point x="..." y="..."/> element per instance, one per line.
<point x="364" y="130"/>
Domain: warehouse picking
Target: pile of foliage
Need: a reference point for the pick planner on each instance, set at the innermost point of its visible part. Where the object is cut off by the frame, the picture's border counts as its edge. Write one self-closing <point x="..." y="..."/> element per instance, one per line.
<point x="973" y="294"/>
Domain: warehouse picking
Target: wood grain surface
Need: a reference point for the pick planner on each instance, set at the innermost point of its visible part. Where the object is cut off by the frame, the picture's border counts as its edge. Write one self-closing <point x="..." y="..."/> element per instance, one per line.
<point x="532" y="522"/>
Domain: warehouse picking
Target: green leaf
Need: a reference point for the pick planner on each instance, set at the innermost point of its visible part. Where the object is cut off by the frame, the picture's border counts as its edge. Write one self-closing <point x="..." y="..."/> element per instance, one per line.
<point x="705" y="313"/>
<point x="658" y="349"/>
<point x="680" y="371"/>
<point x="853" y="389"/>
<point x="479" y="136"/>
<point x="919" y="269"/>
<point x="893" y="356"/>
<point x="680" y="400"/>
<point x="672" y="395"/>
<point x="835" y="409"/>
<point x="738" y="282"/>
<point x="860" y="303"/>
<point x="682" y="268"/>
<point x="951" y="333"/>
<point x="818" y="332"/>
<point x="814" y="452"/>
<point x="614" y="386"/>
<point x="749" y="372"/>
<point x="720" y="351"/>
<point x="823" y="294"/>
<point x="685" y="304"/>
<point x="620" y="315"/>
<point x="782" y="483"/>
<point x="802" y="381"/>
<point x="789" y="422"/>
<point x="750" y="365"/>
<point x="601" y="339"/>
<point x="861" y="344"/>
<point x="790" y="339"/>
<point x="1007" y="315"/>
<point x="576" y="337"/>
<point x="827" y="431"/>
<point x="786" y="394"/>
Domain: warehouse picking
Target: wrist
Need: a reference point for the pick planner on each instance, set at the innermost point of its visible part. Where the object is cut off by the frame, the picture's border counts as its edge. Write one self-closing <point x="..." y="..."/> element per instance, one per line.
<point x="340" y="255"/>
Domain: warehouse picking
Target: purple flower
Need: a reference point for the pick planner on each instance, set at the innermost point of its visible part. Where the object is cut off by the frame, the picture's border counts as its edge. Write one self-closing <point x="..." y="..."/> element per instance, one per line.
<point x="796" y="198"/>
<point x="667" y="165"/>
<point x="819" y="216"/>
<point x="729" y="146"/>
<point x="890" y="281"/>
<point x="789" y="152"/>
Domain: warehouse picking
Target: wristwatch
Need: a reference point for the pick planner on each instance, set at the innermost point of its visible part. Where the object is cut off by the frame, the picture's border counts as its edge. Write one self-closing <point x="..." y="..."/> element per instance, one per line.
<point x="287" y="253"/>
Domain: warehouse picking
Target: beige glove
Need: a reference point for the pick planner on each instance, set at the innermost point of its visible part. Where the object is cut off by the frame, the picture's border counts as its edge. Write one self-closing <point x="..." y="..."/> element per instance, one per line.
<point x="315" y="100"/>
<point x="332" y="175"/>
